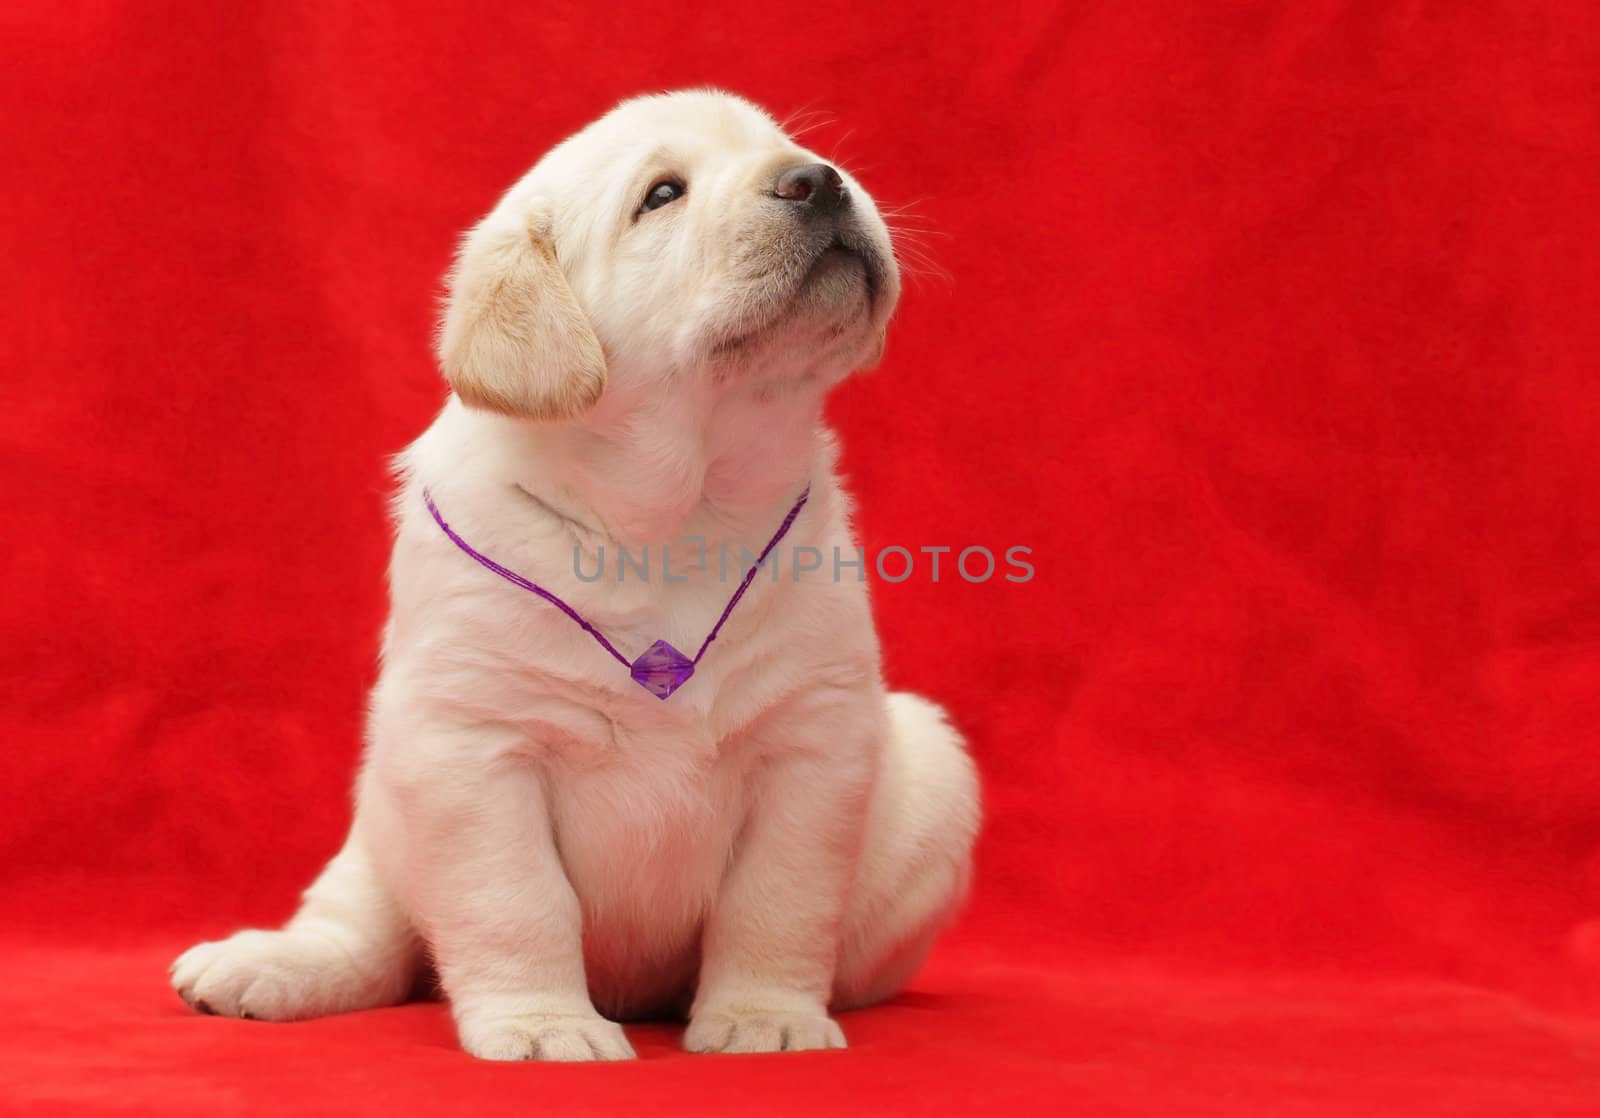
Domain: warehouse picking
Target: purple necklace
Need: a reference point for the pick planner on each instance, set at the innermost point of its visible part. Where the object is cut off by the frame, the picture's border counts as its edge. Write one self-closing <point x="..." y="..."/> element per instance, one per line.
<point x="660" y="669"/>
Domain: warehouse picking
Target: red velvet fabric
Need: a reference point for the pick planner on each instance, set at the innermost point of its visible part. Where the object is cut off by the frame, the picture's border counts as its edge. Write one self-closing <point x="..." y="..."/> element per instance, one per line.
<point x="1269" y="328"/>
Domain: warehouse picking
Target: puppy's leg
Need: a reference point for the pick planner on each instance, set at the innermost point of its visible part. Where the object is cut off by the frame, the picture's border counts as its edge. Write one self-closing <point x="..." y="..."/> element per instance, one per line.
<point x="917" y="858"/>
<point x="349" y="947"/>
<point x="770" y="942"/>
<point x="471" y="839"/>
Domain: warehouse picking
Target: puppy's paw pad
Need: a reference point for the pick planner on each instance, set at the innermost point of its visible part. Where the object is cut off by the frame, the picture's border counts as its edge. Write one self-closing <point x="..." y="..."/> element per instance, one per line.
<point x="567" y="1038"/>
<point x="268" y="976"/>
<point x="761" y="1031"/>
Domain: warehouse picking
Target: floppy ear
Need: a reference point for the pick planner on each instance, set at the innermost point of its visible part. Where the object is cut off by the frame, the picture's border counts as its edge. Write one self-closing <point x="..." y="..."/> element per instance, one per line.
<point x="874" y="358"/>
<point x="514" y="339"/>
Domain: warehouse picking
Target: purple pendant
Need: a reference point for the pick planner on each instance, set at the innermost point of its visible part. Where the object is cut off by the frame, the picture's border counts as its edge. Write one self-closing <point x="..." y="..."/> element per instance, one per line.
<point x="662" y="669"/>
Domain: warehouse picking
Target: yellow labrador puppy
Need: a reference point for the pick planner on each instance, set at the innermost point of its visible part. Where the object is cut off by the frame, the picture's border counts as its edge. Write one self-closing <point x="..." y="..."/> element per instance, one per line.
<point x="601" y="783"/>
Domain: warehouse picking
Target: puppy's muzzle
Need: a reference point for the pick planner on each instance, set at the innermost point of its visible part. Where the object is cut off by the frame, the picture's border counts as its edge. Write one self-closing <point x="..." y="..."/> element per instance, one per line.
<point x="816" y="196"/>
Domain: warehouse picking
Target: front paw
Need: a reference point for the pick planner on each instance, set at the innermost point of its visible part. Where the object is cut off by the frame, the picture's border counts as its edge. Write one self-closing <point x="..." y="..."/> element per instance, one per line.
<point x="567" y="1037"/>
<point x="759" y="1030"/>
<point x="274" y="976"/>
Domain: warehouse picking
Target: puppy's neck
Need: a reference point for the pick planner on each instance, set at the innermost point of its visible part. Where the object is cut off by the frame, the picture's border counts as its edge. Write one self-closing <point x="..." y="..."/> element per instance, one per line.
<point x="706" y="460"/>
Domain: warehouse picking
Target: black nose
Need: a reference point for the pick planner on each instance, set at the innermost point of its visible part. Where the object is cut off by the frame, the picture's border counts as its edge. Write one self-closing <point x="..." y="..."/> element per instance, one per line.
<point x="813" y="184"/>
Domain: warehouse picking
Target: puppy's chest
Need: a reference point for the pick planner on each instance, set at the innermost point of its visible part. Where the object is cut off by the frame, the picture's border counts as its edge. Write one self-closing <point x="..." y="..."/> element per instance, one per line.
<point x="645" y="836"/>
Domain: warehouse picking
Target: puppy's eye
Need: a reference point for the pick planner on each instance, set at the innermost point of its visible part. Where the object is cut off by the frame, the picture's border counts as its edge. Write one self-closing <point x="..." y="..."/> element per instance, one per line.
<point x="661" y="194"/>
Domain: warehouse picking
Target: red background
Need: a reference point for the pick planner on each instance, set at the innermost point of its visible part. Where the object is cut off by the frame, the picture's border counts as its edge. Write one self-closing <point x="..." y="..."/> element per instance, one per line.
<point x="1270" y="328"/>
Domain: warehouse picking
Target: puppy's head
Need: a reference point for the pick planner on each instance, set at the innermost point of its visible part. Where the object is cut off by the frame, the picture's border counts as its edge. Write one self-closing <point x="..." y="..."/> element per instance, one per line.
<point x="682" y="234"/>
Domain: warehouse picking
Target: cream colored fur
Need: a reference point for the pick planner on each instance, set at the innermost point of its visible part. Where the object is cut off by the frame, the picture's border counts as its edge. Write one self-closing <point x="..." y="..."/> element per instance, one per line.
<point x="782" y="836"/>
